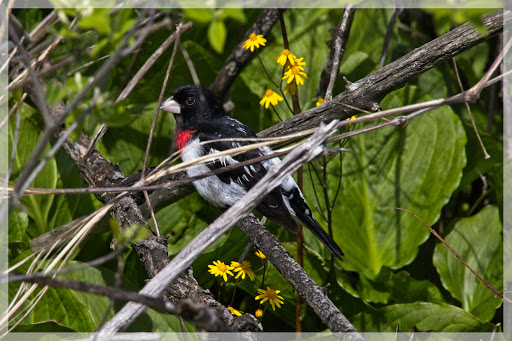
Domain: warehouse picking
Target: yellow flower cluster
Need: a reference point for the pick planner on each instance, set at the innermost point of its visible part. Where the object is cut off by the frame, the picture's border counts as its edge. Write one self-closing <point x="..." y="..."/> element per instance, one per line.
<point x="220" y="269"/>
<point x="243" y="269"/>
<point x="293" y="68"/>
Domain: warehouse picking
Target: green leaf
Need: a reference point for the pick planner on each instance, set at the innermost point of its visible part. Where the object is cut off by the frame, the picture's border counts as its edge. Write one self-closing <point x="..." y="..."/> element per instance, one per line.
<point x="477" y="164"/>
<point x="416" y="168"/>
<point x="60" y="306"/>
<point x="478" y="240"/>
<point x="422" y="316"/>
<point x="233" y="13"/>
<point x="18" y="222"/>
<point x="67" y="207"/>
<point x="182" y="222"/>
<point x="389" y="287"/>
<point x="77" y="310"/>
<point x="201" y="15"/>
<point x="217" y="35"/>
<point x="98" y="19"/>
<point x="29" y="134"/>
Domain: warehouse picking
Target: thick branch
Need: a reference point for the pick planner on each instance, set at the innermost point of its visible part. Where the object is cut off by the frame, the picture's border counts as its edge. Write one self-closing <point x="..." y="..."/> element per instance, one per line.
<point x="369" y="91"/>
<point x="298" y="278"/>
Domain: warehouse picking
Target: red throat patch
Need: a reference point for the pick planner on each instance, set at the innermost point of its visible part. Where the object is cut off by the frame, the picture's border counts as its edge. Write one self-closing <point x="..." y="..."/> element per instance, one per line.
<point x="182" y="138"/>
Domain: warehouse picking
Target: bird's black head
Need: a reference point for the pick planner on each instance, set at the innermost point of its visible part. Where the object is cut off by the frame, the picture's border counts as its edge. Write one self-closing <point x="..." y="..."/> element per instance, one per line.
<point x="192" y="105"/>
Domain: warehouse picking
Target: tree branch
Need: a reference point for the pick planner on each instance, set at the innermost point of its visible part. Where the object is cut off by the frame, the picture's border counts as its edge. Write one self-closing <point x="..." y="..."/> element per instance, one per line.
<point x="366" y="93"/>
<point x="298" y="278"/>
<point x="196" y="314"/>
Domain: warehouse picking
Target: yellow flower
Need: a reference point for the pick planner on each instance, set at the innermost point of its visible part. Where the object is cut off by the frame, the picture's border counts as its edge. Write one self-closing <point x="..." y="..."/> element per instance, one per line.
<point x="270" y="295"/>
<point x="285" y="56"/>
<point x="298" y="63"/>
<point x="254" y="41"/>
<point x="243" y="269"/>
<point x="320" y="101"/>
<point x="220" y="269"/>
<point x="258" y="313"/>
<point x="234" y="312"/>
<point x="260" y="254"/>
<point x="270" y="97"/>
<point x="294" y="72"/>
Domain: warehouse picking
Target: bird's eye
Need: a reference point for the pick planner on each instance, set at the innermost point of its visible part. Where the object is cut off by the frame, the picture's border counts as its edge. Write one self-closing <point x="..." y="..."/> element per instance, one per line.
<point x="190" y="101"/>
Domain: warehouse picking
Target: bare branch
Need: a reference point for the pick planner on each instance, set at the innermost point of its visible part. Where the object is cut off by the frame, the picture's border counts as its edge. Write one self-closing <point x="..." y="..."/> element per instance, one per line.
<point x="149" y="63"/>
<point x="340" y="41"/>
<point x="387" y="38"/>
<point x="298" y="278"/>
<point x="198" y="315"/>
<point x="369" y="91"/>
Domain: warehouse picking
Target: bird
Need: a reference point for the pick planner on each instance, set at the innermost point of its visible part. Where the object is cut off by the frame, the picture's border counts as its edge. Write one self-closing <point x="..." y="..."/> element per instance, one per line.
<point x="200" y="122"/>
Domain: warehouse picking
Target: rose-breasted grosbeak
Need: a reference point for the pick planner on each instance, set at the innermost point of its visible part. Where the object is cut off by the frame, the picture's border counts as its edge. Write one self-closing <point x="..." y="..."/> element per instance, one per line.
<point x="200" y="117"/>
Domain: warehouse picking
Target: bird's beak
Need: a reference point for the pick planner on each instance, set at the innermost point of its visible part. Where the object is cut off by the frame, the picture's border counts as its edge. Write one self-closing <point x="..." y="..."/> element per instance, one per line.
<point x="170" y="105"/>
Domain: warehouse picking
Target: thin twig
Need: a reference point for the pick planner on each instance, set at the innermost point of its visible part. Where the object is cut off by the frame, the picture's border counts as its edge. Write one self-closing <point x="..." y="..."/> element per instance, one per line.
<point x="487" y="284"/>
<point x="387" y="38"/>
<point x="190" y="64"/>
<point x="468" y="109"/>
<point x="149" y="63"/>
<point x="339" y="49"/>
<point x="114" y="293"/>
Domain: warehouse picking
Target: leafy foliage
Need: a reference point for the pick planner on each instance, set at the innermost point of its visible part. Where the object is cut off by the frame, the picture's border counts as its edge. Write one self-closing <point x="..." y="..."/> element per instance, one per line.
<point x="433" y="168"/>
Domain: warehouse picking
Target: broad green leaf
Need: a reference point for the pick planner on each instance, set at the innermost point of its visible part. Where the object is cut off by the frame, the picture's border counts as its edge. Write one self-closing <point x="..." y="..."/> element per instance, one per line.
<point x="43" y="327"/>
<point x="416" y="168"/>
<point x="60" y="306"/>
<point x="478" y="240"/>
<point x="76" y="310"/>
<point x="95" y="305"/>
<point x="390" y="287"/>
<point x="201" y="15"/>
<point x="477" y="164"/>
<point x="217" y="35"/>
<point x="29" y="134"/>
<point x="182" y="222"/>
<point x="356" y="66"/>
<point x="421" y="316"/>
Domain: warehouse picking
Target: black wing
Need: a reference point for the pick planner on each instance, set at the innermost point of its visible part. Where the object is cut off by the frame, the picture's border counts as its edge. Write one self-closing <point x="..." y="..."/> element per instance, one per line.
<point x="272" y="206"/>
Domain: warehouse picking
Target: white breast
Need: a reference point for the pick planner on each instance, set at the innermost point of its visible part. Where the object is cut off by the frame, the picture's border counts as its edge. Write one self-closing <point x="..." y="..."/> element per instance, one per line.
<point x="211" y="188"/>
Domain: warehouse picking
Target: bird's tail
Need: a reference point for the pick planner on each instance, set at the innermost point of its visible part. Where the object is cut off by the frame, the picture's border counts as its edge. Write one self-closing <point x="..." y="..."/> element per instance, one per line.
<point x="319" y="232"/>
